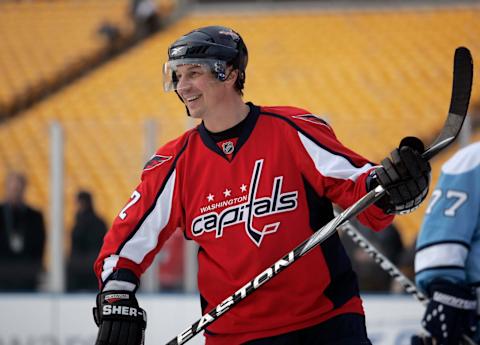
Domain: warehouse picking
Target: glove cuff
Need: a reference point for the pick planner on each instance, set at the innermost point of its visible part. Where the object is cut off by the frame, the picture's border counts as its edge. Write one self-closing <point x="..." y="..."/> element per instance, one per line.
<point x="453" y="295"/>
<point x="454" y="302"/>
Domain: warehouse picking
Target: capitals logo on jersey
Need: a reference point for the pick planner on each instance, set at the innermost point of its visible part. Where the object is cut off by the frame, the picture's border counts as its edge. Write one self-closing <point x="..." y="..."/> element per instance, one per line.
<point x="247" y="211"/>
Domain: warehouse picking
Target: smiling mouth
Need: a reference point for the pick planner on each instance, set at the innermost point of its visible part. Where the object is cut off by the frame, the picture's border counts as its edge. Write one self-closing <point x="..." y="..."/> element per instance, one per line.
<point x="192" y="99"/>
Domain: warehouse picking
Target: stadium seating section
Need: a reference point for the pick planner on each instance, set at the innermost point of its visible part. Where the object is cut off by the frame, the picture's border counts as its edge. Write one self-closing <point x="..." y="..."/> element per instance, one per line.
<point x="376" y="75"/>
<point x="43" y="43"/>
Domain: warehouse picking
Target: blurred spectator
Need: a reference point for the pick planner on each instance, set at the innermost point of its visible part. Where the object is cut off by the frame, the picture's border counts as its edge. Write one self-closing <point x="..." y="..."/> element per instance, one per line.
<point x="22" y="238"/>
<point x="87" y="237"/>
<point x="110" y="31"/>
<point x="112" y="36"/>
<point x="145" y="17"/>
<point x="371" y="277"/>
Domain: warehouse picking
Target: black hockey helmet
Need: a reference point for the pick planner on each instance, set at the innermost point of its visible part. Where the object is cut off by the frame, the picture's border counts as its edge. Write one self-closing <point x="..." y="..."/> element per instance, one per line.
<point x="214" y="46"/>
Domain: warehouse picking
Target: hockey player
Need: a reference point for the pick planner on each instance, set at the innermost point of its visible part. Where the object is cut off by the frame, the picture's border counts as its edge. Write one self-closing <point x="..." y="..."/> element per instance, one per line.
<point x="249" y="184"/>
<point x="447" y="261"/>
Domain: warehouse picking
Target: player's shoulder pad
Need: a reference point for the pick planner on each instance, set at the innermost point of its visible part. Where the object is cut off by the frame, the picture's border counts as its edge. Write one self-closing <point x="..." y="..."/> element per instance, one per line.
<point x="166" y="154"/>
<point x="298" y="116"/>
<point x="465" y="160"/>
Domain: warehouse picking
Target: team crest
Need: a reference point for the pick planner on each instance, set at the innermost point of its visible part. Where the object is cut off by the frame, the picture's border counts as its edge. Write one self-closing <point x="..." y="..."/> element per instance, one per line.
<point x="228" y="147"/>
<point x="247" y="212"/>
<point x="155" y="161"/>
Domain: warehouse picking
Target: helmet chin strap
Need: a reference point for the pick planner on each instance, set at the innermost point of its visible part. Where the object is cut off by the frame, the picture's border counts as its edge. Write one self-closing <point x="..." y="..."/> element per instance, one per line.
<point x="186" y="108"/>
<point x="225" y="77"/>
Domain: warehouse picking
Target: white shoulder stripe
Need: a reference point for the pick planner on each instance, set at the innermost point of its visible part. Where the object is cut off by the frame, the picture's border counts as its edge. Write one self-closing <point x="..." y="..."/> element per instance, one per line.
<point x="464" y="160"/>
<point x="332" y="165"/>
<point x="146" y="237"/>
<point x="445" y="254"/>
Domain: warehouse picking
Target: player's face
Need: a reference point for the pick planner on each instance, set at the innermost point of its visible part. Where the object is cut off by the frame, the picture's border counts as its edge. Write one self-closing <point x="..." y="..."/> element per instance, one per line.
<point x="199" y="89"/>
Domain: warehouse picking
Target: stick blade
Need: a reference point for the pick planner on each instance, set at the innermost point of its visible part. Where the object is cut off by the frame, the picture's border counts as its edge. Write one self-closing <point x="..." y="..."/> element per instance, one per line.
<point x="461" y="90"/>
<point x="462" y="81"/>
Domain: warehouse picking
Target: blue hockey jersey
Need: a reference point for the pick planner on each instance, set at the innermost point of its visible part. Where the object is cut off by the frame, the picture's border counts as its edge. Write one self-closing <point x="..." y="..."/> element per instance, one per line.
<point x="448" y="245"/>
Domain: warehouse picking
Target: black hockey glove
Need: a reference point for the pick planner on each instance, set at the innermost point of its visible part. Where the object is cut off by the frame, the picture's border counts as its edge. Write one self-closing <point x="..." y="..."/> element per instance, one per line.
<point x="119" y="318"/>
<point x="405" y="177"/>
<point x="450" y="313"/>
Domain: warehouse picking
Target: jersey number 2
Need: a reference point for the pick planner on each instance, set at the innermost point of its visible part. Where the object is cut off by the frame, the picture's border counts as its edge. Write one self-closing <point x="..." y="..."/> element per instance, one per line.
<point x="133" y="199"/>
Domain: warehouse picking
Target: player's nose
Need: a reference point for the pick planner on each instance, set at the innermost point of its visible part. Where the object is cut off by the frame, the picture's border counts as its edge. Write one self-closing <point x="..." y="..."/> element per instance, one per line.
<point x="183" y="85"/>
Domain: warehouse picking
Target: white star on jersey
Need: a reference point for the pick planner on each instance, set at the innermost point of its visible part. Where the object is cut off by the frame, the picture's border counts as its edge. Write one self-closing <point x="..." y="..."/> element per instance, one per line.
<point x="243" y="188"/>
<point x="210" y="197"/>
<point x="227" y="192"/>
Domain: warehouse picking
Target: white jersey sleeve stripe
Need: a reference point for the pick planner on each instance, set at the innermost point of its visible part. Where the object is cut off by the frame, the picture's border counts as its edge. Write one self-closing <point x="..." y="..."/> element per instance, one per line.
<point x="108" y="265"/>
<point x="145" y="238"/>
<point x="332" y="165"/>
<point x="441" y="255"/>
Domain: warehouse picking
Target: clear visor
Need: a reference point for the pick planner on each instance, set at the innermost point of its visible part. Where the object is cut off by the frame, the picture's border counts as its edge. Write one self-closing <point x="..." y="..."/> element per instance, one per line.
<point x="170" y="79"/>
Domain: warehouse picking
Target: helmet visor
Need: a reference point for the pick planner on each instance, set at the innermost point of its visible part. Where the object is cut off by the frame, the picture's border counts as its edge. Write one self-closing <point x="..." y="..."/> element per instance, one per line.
<point x="170" y="70"/>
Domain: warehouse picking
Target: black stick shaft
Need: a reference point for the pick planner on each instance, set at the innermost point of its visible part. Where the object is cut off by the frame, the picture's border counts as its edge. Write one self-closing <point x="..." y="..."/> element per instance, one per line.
<point x="306" y="246"/>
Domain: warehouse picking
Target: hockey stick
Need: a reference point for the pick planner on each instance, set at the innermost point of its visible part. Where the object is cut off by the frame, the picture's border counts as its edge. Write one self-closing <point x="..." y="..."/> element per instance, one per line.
<point x="389" y="267"/>
<point x="462" y="82"/>
<point x="384" y="263"/>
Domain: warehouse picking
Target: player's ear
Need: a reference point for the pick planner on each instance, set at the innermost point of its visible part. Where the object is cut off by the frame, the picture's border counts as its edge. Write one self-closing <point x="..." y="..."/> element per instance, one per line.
<point x="232" y="77"/>
<point x="233" y="74"/>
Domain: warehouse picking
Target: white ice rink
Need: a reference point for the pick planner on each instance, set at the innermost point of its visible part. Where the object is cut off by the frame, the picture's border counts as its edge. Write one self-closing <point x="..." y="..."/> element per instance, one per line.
<point x="44" y="319"/>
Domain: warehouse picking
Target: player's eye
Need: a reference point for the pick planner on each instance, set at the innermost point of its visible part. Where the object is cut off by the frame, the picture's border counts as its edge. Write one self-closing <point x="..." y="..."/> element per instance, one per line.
<point x="194" y="73"/>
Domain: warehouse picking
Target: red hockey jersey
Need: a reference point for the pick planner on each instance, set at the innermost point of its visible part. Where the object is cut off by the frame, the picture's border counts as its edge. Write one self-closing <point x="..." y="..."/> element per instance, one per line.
<point x="247" y="202"/>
